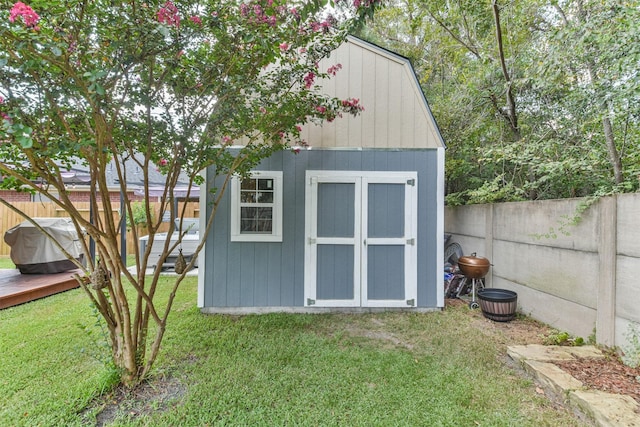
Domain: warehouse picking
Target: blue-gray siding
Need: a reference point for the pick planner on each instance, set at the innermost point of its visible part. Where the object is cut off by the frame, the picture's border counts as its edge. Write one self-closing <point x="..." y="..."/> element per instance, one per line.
<point x="261" y="274"/>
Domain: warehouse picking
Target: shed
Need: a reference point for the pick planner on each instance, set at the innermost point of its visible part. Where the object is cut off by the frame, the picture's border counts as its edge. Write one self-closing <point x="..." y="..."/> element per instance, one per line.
<point x="353" y="223"/>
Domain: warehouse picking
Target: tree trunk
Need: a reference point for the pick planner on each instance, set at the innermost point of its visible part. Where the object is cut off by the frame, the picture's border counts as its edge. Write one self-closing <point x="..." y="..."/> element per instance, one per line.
<point x="614" y="155"/>
<point x="510" y="114"/>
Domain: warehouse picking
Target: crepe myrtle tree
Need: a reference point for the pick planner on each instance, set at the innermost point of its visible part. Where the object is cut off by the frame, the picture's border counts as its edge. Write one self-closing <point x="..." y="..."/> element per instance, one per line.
<point x="167" y="85"/>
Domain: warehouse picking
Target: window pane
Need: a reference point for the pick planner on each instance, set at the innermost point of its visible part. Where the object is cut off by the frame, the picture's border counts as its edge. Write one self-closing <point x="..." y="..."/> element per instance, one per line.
<point x="265" y="184"/>
<point x="265" y="217"/>
<point x="247" y="197"/>
<point x="265" y="197"/>
<point x="264" y="213"/>
<point x="256" y="220"/>
<point x="247" y="213"/>
<point x="256" y="208"/>
<point x="248" y="184"/>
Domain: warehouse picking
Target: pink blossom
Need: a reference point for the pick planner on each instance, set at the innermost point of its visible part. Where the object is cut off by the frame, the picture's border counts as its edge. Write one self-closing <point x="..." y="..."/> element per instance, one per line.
<point x="163" y="162"/>
<point x="5" y="116"/>
<point x="334" y="69"/>
<point x="320" y="109"/>
<point x="365" y="3"/>
<point x="320" y="26"/>
<point x="1" y="100"/>
<point x="196" y="20"/>
<point x="352" y="105"/>
<point x="168" y="14"/>
<point x="295" y="12"/>
<point x="284" y="47"/>
<point x="214" y="14"/>
<point x="298" y="128"/>
<point x="303" y="50"/>
<point x="263" y="110"/>
<point x="29" y="16"/>
<point x="226" y="139"/>
<point x="309" y="79"/>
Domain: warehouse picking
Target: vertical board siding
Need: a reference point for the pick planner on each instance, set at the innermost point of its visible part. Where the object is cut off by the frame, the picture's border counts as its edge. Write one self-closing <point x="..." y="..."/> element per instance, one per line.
<point x="276" y="276"/>
<point x="335" y="272"/>
<point x="395" y="112"/>
<point x="368" y="101"/>
<point x="385" y="272"/>
<point x="336" y="210"/>
<point x="353" y="70"/>
<point x="381" y="102"/>
<point x="385" y="219"/>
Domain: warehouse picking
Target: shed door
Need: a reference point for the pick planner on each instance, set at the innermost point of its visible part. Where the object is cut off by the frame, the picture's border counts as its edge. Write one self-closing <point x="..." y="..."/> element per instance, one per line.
<point x="361" y="239"/>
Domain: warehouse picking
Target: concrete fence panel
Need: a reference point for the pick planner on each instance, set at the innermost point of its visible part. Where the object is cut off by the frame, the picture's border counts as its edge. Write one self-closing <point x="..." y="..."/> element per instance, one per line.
<point x="576" y="276"/>
<point x="628" y="234"/>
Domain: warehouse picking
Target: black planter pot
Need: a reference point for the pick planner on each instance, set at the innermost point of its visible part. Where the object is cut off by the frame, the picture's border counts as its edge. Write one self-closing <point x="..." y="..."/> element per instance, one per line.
<point x="498" y="304"/>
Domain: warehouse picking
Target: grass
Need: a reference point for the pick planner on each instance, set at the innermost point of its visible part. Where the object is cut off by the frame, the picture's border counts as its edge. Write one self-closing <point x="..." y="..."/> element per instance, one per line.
<point x="5" y="262"/>
<point x="384" y="369"/>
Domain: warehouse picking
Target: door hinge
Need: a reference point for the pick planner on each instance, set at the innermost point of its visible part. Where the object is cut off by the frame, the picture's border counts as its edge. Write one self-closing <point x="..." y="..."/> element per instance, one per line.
<point x="311" y="301"/>
<point x="411" y="241"/>
<point x="411" y="182"/>
<point x="312" y="241"/>
<point x="411" y="302"/>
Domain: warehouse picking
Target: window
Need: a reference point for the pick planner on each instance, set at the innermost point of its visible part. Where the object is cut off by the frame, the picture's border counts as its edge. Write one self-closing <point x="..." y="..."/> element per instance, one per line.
<point x="256" y="207"/>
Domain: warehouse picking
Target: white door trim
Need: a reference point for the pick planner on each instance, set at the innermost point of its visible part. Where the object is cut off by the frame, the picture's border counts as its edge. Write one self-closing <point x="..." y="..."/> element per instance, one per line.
<point x="312" y="240"/>
<point x="361" y="179"/>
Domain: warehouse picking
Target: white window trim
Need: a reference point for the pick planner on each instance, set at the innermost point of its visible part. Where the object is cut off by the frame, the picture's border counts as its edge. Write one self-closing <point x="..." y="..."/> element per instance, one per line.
<point x="276" y="234"/>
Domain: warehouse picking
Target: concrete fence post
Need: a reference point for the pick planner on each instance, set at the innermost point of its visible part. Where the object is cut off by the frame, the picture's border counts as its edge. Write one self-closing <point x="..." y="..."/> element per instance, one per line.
<point x="489" y="228"/>
<point x="607" y="255"/>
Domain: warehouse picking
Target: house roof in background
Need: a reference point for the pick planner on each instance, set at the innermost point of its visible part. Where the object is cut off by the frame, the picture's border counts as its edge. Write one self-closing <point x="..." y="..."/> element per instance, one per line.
<point x="79" y="175"/>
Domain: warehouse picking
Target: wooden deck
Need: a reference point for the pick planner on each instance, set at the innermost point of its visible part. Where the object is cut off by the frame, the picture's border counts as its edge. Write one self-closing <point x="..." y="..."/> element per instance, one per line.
<point x="16" y="288"/>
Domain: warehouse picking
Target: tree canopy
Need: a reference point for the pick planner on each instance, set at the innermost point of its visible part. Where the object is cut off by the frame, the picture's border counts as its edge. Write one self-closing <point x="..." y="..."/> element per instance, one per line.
<point x="165" y="84"/>
<point x="536" y="99"/>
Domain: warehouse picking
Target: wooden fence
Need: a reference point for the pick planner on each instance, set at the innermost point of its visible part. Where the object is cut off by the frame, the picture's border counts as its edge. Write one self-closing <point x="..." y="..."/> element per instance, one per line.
<point x="9" y="218"/>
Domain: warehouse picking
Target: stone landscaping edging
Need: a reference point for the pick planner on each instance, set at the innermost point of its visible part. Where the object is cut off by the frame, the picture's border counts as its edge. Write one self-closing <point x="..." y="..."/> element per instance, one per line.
<point x="605" y="409"/>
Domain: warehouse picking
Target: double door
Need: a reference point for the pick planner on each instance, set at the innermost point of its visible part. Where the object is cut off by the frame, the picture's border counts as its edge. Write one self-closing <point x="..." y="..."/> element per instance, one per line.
<point x="361" y="239"/>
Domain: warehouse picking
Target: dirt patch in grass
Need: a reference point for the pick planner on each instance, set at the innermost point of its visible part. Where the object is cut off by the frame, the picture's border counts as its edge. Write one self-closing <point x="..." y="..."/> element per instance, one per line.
<point x="520" y="331"/>
<point x="151" y="396"/>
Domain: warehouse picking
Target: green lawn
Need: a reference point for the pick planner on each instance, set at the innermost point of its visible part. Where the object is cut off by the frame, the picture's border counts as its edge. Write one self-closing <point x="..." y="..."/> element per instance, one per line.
<point x="413" y="369"/>
<point x="5" y="262"/>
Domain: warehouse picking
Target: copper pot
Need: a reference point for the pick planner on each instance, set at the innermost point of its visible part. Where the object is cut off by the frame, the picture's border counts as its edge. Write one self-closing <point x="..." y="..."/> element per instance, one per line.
<point x="474" y="267"/>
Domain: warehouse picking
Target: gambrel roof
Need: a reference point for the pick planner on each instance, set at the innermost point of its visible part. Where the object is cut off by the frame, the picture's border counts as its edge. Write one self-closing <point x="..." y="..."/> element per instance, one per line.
<point x="396" y="113"/>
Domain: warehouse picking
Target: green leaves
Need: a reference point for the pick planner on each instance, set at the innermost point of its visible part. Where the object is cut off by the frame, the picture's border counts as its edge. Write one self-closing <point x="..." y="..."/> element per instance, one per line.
<point x="159" y="91"/>
<point x="572" y="65"/>
<point x="94" y="78"/>
<point x="20" y="132"/>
